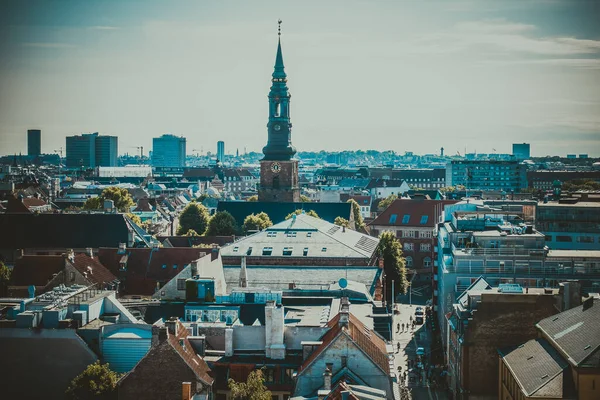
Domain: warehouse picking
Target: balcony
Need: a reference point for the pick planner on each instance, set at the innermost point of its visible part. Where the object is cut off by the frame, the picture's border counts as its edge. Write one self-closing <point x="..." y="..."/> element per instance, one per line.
<point x="501" y="251"/>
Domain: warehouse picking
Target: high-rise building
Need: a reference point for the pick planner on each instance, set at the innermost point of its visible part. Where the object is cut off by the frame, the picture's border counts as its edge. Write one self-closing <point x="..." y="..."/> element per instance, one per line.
<point x="168" y="151"/>
<point x="278" y="171"/>
<point x="487" y="175"/>
<point x="221" y="150"/>
<point x="522" y="151"/>
<point x="34" y="142"/>
<point x="92" y="150"/>
<point x="106" y="151"/>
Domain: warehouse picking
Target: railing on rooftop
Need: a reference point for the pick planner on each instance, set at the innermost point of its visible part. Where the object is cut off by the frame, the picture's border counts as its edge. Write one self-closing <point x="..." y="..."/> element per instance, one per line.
<point x="499" y="251"/>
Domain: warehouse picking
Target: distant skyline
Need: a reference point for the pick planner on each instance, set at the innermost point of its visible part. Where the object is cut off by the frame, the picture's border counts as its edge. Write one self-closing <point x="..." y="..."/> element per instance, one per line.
<point x="403" y="76"/>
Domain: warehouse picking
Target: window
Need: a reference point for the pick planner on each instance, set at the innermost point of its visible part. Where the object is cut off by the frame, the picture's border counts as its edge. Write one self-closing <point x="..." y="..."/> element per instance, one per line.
<point x="291" y="234"/>
<point x="72" y="276"/>
<point x="324" y="249"/>
<point x="174" y="266"/>
<point x="344" y="360"/>
<point x="249" y="251"/>
<point x="393" y="218"/>
<point x="405" y="219"/>
<point x="424" y="219"/>
<point x="409" y="261"/>
<point x="564" y="239"/>
<point x="235" y="249"/>
<point x="276" y="182"/>
<point x="267" y="251"/>
<point x="425" y="234"/>
<point x="585" y="239"/>
<point x="269" y="375"/>
<point x="271" y="234"/>
<point x="410" y="234"/>
<point x="409" y="246"/>
<point x="164" y="266"/>
<point x="287" y="251"/>
<point x="427" y="262"/>
<point x="180" y="284"/>
<point x="308" y="234"/>
<point x="425" y="247"/>
<point x="305" y="252"/>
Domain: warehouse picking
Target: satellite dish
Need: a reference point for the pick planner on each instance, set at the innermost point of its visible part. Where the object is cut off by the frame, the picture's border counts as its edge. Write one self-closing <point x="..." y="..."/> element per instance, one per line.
<point x="343" y="283"/>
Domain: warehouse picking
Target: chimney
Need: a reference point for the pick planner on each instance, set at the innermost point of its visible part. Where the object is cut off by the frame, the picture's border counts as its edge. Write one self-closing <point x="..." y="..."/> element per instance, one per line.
<point x="327" y="378"/>
<point x="344" y="312"/>
<point x="90" y="252"/>
<point x="71" y="255"/>
<point x="228" y="342"/>
<point x="274" y="328"/>
<point x="159" y="335"/>
<point x="588" y="304"/>
<point x="186" y="390"/>
<point x="343" y="228"/>
<point x="243" y="273"/>
<point x="172" y="325"/>
<point x="194" y="268"/>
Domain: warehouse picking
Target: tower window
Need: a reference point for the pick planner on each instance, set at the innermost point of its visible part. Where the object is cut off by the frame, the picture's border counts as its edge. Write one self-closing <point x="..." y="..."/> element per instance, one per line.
<point x="277" y="109"/>
<point x="275" y="182"/>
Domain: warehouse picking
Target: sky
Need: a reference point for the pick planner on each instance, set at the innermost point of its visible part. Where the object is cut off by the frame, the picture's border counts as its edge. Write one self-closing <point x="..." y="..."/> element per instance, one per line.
<point x="472" y="76"/>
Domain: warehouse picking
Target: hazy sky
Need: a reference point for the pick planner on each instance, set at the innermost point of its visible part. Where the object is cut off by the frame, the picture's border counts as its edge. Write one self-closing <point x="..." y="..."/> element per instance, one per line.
<point x="399" y="75"/>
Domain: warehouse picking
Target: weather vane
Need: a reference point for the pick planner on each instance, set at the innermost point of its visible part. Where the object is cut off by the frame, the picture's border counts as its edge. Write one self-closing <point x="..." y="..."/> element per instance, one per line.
<point x="279" y="27"/>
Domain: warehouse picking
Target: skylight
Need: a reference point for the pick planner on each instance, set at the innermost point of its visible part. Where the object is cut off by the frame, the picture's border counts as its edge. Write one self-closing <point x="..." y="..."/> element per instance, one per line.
<point x="393" y="218"/>
<point x="267" y="251"/>
<point x="287" y="251"/>
<point x="424" y="219"/>
<point x="235" y="249"/>
<point x="406" y="218"/>
<point x="324" y="249"/>
<point x="305" y="252"/>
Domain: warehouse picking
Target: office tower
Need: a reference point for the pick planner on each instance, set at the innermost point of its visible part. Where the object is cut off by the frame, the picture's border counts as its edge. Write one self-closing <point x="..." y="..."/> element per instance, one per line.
<point x="521" y="151"/>
<point x="81" y="151"/>
<point x="487" y="175"/>
<point x="168" y="151"/>
<point x="106" y="151"/>
<point x="34" y="142"/>
<point x="220" y="150"/>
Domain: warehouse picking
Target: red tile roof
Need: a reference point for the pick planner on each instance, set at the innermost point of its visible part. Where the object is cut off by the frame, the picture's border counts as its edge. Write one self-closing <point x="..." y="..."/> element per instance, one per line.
<point x="367" y="340"/>
<point x="145" y="266"/>
<point x="416" y="209"/>
<point x="186" y="352"/>
<point x="33" y="202"/>
<point x="94" y="271"/>
<point x="36" y="270"/>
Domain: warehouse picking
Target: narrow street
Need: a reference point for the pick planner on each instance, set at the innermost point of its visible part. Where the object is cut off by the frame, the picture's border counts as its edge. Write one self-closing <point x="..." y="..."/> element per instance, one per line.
<point x="414" y="370"/>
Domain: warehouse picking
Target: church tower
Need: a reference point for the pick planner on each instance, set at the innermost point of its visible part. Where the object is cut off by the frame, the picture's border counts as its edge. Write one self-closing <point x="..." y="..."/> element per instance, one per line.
<point x="278" y="171"/>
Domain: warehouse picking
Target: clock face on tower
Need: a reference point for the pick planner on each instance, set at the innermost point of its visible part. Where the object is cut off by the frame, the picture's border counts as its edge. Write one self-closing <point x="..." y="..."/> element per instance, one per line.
<point x="277" y="127"/>
<point x="276" y="167"/>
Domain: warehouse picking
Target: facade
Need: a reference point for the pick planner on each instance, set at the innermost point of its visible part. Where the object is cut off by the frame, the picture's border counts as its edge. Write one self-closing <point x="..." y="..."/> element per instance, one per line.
<point x="278" y="171"/>
<point x="168" y="151"/>
<point x="34" y="142"/>
<point x="487" y="175"/>
<point x="544" y="180"/>
<point x="570" y="224"/>
<point x="220" y="151"/>
<point x="521" y="151"/>
<point x="486" y="318"/>
<point x="107" y="151"/>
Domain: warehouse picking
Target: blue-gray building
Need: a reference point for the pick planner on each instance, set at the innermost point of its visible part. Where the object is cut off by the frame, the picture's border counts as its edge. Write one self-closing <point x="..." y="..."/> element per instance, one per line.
<point x="168" y="151"/>
<point x="487" y="175"/>
<point x="521" y="151"/>
<point x="92" y="150"/>
<point x="34" y="142"/>
<point x="106" y="151"/>
<point x="220" y="150"/>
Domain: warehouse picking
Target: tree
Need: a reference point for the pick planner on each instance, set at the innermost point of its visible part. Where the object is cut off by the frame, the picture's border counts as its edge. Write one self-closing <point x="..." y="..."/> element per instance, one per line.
<point x="191" y="232"/>
<point x="202" y="197"/>
<point x="304" y="199"/>
<point x="5" y="273"/>
<point x="385" y="203"/>
<point x="256" y="222"/>
<point x="194" y="216"/>
<point x="359" y="222"/>
<point x="222" y="224"/>
<point x="135" y="218"/>
<point x="119" y="196"/>
<point x="394" y="264"/>
<point x="341" y="222"/>
<point x="312" y="213"/>
<point x="93" y="203"/>
<point x="252" y="198"/>
<point x="253" y="389"/>
<point x="98" y="381"/>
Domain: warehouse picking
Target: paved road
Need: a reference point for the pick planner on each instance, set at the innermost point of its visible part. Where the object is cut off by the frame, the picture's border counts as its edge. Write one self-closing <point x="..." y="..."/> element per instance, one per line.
<point x="409" y="341"/>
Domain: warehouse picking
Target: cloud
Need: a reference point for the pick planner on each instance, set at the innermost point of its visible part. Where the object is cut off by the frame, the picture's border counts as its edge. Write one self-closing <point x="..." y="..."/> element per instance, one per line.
<point x="48" y="45"/>
<point x="493" y="26"/>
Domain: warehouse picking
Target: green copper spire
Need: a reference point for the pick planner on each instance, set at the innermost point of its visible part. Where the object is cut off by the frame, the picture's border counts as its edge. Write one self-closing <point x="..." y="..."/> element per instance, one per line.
<point x="279" y="68"/>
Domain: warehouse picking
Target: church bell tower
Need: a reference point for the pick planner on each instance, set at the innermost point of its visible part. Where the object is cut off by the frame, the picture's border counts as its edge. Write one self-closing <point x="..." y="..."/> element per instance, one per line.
<point x="278" y="171"/>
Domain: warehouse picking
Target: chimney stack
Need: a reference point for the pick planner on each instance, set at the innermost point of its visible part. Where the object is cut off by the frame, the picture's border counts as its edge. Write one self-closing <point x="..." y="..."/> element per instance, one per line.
<point x="172" y="325"/>
<point x="186" y="391"/>
<point x="274" y="329"/>
<point x="228" y="342"/>
<point x="327" y="378"/>
<point x="90" y="252"/>
<point x="344" y="312"/>
<point x="243" y="273"/>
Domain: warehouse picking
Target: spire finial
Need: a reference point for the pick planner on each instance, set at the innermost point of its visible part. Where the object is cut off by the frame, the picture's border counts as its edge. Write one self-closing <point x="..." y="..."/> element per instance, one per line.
<point x="279" y="27"/>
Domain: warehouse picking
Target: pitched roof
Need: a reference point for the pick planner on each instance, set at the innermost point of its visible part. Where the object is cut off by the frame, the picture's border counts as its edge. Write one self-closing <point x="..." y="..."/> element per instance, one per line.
<point x="33" y="202"/>
<point x="322" y="239"/>
<point x="537" y="367"/>
<point x="92" y="269"/>
<point x="377" y="183"/>
<point x="415" y="213"/>
<point x="187" y="353"/>
<point x="364" y="338"/>
<point x="147" y="266"/>
<point x="36" y="270"/>
<point x="575" y="333"/>
<point x="278" y="211"/>
<point x="21" y="231"/>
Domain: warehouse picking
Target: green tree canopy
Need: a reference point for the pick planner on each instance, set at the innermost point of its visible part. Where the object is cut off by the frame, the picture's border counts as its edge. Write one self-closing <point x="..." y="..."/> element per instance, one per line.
<point x="135" y="218"/>
<point x="97" y="381"/>
<point x="252" y="198"/>
<point x="222" y="224"/>
<point x="304" y="199"/>
<point x="93" y="203"/>
<point x="312" y="213"/>
<point x="341" y="222"/>
<point x="256" y="222"/>
<point x="253" y="389"/>
<point x="119" y="196"/>
<point x="394" y="264"/>
<point x="194" y="216"/>
<point x="385" y="203"/>
<point x="5" y="274"/>
<point x="191" y="232"/>
<point x="359" y="222"/>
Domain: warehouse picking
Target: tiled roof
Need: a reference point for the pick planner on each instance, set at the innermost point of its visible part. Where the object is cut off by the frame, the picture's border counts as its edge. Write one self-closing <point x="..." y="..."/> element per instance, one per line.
<point x="537" y="367"/>
<point x="368" y="341"/>
<point x="92" y="269"/>
<point x="361" y="200"/>
<point x="22" y="231"/>
<point x="36" y="270"/>
<point x="33" y="202"/>
<point x="421" y="213"/>
<point x="575" y="333"/>
<point x="146" y="267"/>
<point x="278" y="211"/>
<point x="186" y="352"/>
